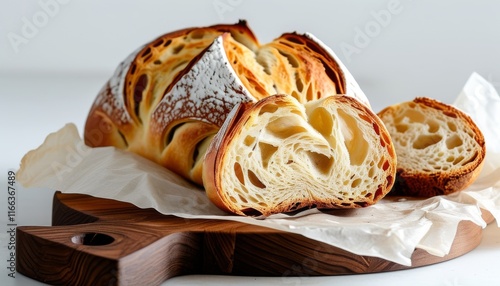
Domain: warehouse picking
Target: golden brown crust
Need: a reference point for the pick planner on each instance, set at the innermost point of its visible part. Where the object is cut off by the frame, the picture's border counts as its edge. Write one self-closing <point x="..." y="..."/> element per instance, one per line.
<point x="120" y="114"/>
<point x="310" y="50"/>
<point x="186" y="138"/>
<point x="425" y="183"/>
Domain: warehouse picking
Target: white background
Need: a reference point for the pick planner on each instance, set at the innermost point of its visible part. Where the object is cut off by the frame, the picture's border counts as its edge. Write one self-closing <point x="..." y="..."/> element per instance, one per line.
<point x="54" y="58"/>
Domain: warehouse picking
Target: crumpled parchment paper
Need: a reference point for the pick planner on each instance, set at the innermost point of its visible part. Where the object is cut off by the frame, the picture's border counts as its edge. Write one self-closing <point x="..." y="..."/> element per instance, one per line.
<point x="391" y="229"/>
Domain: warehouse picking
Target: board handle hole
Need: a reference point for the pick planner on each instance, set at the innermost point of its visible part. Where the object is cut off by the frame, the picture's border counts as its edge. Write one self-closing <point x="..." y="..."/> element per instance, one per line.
<point x="92" y="238"/>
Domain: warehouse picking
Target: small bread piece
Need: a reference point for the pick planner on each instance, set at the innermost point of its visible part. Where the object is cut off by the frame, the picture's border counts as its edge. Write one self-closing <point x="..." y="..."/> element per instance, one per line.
<point x="440" y="149"/>
<point x="279" y="155"/>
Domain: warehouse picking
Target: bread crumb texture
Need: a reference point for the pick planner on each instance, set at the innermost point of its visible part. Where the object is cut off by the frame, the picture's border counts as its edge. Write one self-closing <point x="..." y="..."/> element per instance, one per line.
<point x="283" y="156"/>
<point x="439" y="148"/>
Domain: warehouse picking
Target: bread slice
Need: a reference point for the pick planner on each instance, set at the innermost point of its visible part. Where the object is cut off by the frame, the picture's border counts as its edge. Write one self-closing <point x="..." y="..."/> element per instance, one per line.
<point x="440" y="149"/>
<point x="167" y="100"/>
<point x="279" y="155"/>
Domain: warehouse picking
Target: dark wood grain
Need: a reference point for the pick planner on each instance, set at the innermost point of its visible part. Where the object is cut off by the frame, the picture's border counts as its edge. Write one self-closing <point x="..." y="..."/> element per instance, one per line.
<point x="97" y="241"/>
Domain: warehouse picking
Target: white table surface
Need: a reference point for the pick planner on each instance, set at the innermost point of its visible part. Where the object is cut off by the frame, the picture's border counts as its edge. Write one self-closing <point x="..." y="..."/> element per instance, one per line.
<point x="427" y="49"/>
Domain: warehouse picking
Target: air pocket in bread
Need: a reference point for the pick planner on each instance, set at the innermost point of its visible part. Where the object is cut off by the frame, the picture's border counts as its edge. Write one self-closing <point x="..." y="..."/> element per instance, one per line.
<point x="279" y="155"/>
<point x="440" y="149"/>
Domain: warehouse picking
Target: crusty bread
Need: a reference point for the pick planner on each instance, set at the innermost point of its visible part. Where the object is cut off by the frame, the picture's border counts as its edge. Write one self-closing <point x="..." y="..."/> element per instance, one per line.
<point x="440" y="150"/>
<point x="279" y="155"/>
<point x="168" y="98"/>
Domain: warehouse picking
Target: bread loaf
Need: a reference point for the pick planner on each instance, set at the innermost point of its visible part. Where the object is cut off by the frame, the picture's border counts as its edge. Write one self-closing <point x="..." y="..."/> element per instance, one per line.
<point x="169" y="98"/>
<point x="279" y="155"/>
<point x="440" y="149"/>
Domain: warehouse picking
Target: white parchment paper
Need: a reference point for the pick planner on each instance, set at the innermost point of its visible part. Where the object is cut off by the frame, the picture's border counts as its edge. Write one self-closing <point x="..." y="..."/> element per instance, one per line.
<point x="391" y="229"/>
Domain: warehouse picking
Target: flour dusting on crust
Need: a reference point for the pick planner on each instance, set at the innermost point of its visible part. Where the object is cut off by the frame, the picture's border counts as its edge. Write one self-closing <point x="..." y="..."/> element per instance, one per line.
<point x="207" y="92"/>
<point x="111" y="97"/>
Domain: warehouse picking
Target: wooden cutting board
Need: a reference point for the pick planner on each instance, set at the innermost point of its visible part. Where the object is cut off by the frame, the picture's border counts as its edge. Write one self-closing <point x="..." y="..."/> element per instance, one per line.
<point x="97" y="241"/>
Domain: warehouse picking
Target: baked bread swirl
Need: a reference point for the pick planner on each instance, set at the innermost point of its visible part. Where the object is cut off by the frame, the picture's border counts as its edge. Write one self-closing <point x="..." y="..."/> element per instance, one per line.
<point x="440" y="149"/>
<point x="279" y="155"/>
<point x="169" y="98"/>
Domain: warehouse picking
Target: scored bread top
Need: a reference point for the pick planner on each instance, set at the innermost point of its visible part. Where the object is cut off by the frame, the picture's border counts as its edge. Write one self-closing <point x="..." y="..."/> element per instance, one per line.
<point x="122" y="114"/>
<point x="279" y="156"/>
<point x="167" y="99"/>
<point x="440" y="149"/>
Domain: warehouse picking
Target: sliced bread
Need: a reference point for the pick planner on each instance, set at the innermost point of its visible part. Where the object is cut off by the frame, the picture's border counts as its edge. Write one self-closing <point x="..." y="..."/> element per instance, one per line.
<point x="440" y="149"/>
<point x="279" y="155"/>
